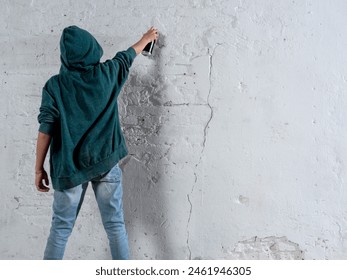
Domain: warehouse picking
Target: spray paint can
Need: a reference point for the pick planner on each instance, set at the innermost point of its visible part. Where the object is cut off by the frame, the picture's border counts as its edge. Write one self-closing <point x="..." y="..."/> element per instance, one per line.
<point x="147" y="51"/>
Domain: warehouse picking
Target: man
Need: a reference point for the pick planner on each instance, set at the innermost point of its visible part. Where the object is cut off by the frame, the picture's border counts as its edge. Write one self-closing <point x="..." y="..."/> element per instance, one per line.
<point x="79" y="121"/>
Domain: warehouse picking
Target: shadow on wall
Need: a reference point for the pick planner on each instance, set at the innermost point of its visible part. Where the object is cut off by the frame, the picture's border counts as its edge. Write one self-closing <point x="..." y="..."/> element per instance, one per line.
<point x="144" y="194"/>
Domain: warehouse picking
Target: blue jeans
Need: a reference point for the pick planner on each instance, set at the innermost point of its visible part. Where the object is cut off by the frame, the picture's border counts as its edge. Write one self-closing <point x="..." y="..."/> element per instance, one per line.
<point x="67" y="203"/>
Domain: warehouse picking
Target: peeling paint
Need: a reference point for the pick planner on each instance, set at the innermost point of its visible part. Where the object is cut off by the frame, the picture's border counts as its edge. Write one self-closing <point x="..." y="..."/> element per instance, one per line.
<point x="270" y="247"/>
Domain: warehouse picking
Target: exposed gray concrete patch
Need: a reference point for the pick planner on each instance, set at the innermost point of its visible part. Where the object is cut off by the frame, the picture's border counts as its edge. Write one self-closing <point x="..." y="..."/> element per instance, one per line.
<point x="270" y="247"/>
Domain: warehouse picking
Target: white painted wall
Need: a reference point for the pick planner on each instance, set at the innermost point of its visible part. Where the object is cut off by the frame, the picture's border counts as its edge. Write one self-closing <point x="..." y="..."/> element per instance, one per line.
<point x="236" y="127"/>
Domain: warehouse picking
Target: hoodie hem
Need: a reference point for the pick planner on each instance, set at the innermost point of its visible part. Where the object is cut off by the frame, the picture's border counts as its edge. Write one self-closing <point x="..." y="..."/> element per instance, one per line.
<point x="87" y="174"/>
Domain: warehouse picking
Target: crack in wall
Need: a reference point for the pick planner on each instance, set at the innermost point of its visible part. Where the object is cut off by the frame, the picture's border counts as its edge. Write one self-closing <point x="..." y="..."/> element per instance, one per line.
<point x="135" y="158"/>
<point x="170" y="104"/>
<point x="190" y="215"/>
<point x="203" y="143"/>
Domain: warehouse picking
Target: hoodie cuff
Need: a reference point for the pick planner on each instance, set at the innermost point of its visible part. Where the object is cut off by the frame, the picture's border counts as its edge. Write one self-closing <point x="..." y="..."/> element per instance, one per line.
<point x="132" y="52"/>
<point x="46" y="128"/>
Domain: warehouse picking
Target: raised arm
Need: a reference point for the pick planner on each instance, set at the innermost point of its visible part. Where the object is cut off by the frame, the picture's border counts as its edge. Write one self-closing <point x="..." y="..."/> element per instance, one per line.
<point x="120" y="64"/>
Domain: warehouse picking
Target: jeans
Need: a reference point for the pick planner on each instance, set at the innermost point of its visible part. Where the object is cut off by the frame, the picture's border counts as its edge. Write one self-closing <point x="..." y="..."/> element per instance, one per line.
<point x="67" y="203"/>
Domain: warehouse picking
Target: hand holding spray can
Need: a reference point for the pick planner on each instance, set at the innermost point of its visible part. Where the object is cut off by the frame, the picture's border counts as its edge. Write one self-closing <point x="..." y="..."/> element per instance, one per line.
<point x="147" y="51"/>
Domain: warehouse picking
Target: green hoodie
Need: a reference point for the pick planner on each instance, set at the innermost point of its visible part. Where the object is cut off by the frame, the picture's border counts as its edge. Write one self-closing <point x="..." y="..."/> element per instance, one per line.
<point x="79" y="110"/>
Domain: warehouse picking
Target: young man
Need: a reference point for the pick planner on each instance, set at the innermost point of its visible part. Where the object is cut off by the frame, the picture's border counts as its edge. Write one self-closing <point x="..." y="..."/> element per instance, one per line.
<point x="79" y="121"/>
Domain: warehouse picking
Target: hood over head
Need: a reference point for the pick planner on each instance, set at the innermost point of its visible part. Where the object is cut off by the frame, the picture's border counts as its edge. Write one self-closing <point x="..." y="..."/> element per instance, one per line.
<point x="79" y="49"/>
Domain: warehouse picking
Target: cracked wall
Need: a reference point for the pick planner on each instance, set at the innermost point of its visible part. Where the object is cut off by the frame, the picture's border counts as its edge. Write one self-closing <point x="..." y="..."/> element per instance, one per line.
<point x="235" y="128"/>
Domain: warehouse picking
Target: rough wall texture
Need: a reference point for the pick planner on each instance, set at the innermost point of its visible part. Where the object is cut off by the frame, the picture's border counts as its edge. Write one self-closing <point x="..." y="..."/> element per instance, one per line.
<point x="236" y="127"/>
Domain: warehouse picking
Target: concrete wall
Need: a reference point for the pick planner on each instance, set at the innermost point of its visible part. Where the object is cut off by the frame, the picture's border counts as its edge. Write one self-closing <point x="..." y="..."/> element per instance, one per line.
<point x="236" y="127"/>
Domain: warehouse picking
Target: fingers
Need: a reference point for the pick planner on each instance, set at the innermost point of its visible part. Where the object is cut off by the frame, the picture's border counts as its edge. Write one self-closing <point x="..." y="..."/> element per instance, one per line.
<point x="46" y="180"/>
<point x="153" y="30"/>
<point x="40" y="178"/>
<point x="42" y="188"/>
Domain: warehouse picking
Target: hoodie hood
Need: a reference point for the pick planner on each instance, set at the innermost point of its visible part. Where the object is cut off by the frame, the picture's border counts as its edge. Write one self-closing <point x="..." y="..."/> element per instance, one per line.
<point x="79" y="49"/>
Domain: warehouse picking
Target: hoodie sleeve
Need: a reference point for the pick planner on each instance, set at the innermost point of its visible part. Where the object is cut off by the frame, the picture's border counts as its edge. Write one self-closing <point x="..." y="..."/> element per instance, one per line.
<point x="122" y="62"/>
<point x="49" y="113"/>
